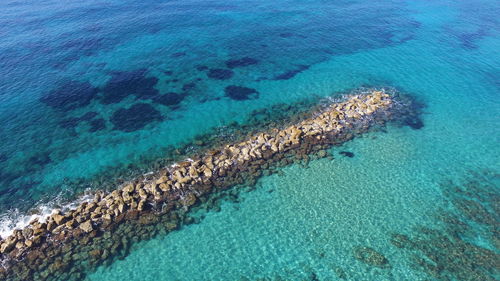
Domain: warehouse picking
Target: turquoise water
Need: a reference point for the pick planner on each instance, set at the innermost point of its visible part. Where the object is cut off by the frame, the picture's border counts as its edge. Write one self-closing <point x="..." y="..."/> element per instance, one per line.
<point x="64" y="61"/>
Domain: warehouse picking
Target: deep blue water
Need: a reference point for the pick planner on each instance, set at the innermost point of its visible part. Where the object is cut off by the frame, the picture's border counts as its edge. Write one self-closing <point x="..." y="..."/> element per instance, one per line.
<point x="94" y="86"/>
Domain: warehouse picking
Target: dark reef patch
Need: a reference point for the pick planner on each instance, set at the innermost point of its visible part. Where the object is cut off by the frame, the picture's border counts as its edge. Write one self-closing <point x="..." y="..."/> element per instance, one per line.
<point x="70" y="96"/>
<point x="413" y="114"/>
<point x="415" y="123"/>
<point x="188" y="86"/>
<point x="286" y="35"/>
<point x="290" y="74"/>
<point x="135" y="118"/>
<point x="72" y="122"/>
<point x="83" y="46"/>
<point x="125" y="83"/>
<point x="168" y="72"/>
<point x="69" y="123"/>
<point x="97" y="125"/>
<point x="40" y="159"/>
<point x="371" y="257"/>
<point x="347" y="154"/>
<point x="178" y="54"/>
<point x="88" y="116"/>
<point x="3" y="157"/>
<point x="220" y="74"/>
<point x="169" y="99"/>
<point x="469" y="40"/>
<point x="202" y="67"/>
<point x="240" y="93"/>
<point x="462" y="244"/>
<point x="135" y="223"/>
<point x="245" y="61"/>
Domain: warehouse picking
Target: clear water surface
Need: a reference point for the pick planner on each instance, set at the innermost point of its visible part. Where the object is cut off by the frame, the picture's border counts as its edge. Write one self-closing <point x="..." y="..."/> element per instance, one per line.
<point x="91" y="86"/>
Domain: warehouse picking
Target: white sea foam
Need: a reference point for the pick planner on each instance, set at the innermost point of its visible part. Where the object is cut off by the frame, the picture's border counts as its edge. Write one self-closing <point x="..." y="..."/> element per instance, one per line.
<point x="15" y="219"/>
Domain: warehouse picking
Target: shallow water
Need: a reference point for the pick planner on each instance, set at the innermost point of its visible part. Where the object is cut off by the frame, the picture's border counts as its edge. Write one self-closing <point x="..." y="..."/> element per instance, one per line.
<point x="304" y="223"/>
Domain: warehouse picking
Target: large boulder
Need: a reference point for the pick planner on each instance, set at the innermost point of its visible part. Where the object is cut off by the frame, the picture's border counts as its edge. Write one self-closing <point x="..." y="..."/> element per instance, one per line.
<point x="86" y="226"/>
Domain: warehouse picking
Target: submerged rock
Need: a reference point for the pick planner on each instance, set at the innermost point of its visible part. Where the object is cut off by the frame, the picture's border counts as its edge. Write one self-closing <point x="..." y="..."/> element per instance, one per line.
<point x="415" y="123"/>
<point x="347" y="154"/>
<point x="135" y="118"/>
<point x="371" y="257"/>
<point x="160" y="201"/>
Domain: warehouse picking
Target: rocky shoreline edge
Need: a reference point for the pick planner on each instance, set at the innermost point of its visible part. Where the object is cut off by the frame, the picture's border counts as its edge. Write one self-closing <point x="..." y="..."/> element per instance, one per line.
<point x="67" y="244"/>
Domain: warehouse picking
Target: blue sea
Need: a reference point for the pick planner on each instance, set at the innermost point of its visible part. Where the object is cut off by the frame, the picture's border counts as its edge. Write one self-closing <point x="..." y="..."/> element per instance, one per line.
<point x="96" y="91"/>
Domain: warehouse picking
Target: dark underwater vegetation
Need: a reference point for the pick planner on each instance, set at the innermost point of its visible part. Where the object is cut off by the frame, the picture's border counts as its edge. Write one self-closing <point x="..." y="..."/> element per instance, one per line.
<point x="135" y="118"/>
<point x="70" y="95"/>
<point x="125" y="83"/>
<point x="240" y="93"/>
<point x="466" y="245"/>
<point x="220" y="74"/>
<point x="95" y="94"/>
<point x="169" y="99"/>
<point x="245" y="61"/>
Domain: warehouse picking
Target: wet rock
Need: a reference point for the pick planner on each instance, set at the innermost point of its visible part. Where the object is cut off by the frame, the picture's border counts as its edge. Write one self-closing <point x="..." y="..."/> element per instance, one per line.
<point x="130" y="213"/>
<point x="245" y="61"/>
<point x="135" y="118"/>
<point x="240" y="93"/>
<point x="220" y="74"/>
<point x="8" y="245"/>
<point x="59" y="219"/>
<point x="371" y="257"/>
<point x="70" y="96"/>
<point x="86" y="226"/>
<point x="189" y="200"/>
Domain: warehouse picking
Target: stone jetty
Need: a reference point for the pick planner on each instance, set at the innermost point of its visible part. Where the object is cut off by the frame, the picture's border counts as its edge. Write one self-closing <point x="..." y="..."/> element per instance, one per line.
<point x="67" y="244"/>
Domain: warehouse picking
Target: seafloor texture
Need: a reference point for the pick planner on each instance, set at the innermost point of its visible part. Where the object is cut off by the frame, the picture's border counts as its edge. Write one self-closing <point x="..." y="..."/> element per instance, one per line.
<point x="67" y="244"/>
<point x="95" y="93"/>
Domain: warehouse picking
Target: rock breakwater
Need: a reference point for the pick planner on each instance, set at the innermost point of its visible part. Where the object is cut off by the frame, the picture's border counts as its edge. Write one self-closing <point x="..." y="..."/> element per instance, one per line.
<point x="67" y="244"/>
